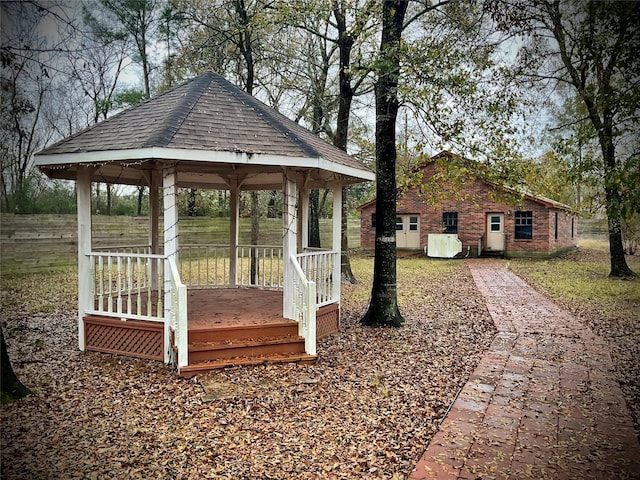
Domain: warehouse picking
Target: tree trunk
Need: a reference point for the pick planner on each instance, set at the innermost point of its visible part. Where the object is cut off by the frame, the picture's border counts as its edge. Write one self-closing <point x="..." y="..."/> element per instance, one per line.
<point x="191" y="203"/>
<point x="314" y="218"/>
<point x="108" y="188"/>
<point x="271" y="207"/>
<point x="255" y="234"/>
<point x="97" y="207"/>
<point x="383" y="307"/>
<point x="12" y="389"/>
<point x="619" y="267"/>
<point x="140" y="197"/>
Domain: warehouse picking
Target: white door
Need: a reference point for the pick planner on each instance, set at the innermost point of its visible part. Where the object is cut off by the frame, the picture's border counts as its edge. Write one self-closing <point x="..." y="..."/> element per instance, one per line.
<point x="408" y="231"/>
<point x="495" y="232"/>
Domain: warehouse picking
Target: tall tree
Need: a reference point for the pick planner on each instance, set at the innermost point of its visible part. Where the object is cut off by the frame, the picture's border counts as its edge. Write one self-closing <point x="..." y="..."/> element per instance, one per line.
<point x="350" y="29"/>
<point x="383" y="306"/>
<point x="346" y="39"/>
<point x="98" y="64"/>
<point x="138" y="21"/>
<point x="589" y="49"/>
<point x="228" y="37"/>
<point x="319" y="62"/>
<point x="97" y="67"/>
<point x="244" y="40"/>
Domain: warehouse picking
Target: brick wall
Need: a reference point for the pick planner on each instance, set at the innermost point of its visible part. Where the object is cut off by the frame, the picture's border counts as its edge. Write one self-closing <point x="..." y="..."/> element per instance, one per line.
<point x="473" y="199"/>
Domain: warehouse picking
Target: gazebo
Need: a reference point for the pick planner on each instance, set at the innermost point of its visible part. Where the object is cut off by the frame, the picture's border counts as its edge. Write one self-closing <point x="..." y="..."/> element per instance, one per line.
<point x="200" y="306"/>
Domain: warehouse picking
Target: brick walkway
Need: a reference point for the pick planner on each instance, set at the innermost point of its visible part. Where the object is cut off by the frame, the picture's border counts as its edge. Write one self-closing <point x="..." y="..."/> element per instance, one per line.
<point x="543" y="401"/>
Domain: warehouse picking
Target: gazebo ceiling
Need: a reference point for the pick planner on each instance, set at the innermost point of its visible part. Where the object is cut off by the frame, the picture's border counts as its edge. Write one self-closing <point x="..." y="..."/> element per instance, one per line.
<point x="212" y="131"/>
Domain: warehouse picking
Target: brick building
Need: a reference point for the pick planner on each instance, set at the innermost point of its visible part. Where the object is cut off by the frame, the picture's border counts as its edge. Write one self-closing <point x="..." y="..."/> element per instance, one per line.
<point x="451" y="200"/>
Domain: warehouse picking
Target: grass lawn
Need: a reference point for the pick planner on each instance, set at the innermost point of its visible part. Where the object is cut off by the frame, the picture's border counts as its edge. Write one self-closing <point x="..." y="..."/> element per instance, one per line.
<point x="580" y="280"/>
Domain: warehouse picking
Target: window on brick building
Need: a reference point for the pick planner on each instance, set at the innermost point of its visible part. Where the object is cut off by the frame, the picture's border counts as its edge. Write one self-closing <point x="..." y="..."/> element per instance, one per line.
<point x="450" y="222"/>
<point x="524" y="225"/>
<point x="373" y="219"/>
<point x="556" y="233"/>
<point x="413" y="224"/>
<point x="399" y="224"/>
<point x="572" y="227"/>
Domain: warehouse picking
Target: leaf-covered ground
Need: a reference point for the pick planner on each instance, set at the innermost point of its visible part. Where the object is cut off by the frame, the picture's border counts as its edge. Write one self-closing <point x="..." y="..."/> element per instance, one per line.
<point x="366" y="409"/>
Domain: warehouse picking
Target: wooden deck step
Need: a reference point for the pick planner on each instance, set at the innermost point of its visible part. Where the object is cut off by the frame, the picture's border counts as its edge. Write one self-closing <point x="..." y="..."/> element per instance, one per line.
<point x="244" y="332"/>
<point x="204" y="367"/>
<point x="220" y="346"/>
<point x="206" y="351"/>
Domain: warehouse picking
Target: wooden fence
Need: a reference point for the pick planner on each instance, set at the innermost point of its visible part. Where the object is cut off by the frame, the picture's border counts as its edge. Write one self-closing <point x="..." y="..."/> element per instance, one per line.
<point x="36" y="243"/>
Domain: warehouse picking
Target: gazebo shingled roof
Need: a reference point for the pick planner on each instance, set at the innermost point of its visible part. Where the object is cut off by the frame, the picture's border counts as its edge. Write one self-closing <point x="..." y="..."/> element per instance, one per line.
<point x="204" y="120"/>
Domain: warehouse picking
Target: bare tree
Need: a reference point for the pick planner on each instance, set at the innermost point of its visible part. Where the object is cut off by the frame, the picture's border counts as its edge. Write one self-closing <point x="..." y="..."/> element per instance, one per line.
<point x="319" y="60"/>
<point x="97" y="67"/>
<point x="138" y="21"/>
<point x="28" y="70"/>
<point x="348" y="86"/>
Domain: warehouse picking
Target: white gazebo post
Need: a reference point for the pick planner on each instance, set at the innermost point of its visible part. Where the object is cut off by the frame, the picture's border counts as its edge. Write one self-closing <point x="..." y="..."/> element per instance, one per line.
<point x="83" y="189"/>
<point x="170" y="202"/>
<point x="336" y="240"/>
<point x="234" y="217"/>
<point x="289" y="244"/>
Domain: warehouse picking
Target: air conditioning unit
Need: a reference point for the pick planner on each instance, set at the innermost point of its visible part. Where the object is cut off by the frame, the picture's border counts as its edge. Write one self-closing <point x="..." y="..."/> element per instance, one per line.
<point x="443" y="245"/>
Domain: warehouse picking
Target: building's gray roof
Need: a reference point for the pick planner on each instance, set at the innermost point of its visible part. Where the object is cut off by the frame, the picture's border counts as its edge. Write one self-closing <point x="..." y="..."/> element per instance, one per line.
<point x="205" y="114"/>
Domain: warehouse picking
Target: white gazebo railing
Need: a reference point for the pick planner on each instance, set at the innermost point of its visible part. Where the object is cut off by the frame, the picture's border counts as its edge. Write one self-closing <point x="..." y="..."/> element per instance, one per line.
<point x="136" y="249"/>
<point x="178" y="315"/>
<point x="304" y="306"/>
<point x="318" y="266"/>
<point x="127" y="285"/>
<point x="206" y="266"/>
<point x="269" y="272"/>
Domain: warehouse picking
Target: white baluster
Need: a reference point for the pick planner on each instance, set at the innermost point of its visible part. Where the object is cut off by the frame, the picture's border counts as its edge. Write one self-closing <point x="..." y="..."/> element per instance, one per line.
<point x="110" y="282"/>
<point x="139" y="285"/>
<point x="119" y="284"/>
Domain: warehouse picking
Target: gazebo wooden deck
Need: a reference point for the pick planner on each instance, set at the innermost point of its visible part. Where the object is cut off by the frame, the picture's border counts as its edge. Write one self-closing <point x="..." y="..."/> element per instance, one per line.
<point x="163" y="300"/>
<point x="226" y="327"/>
